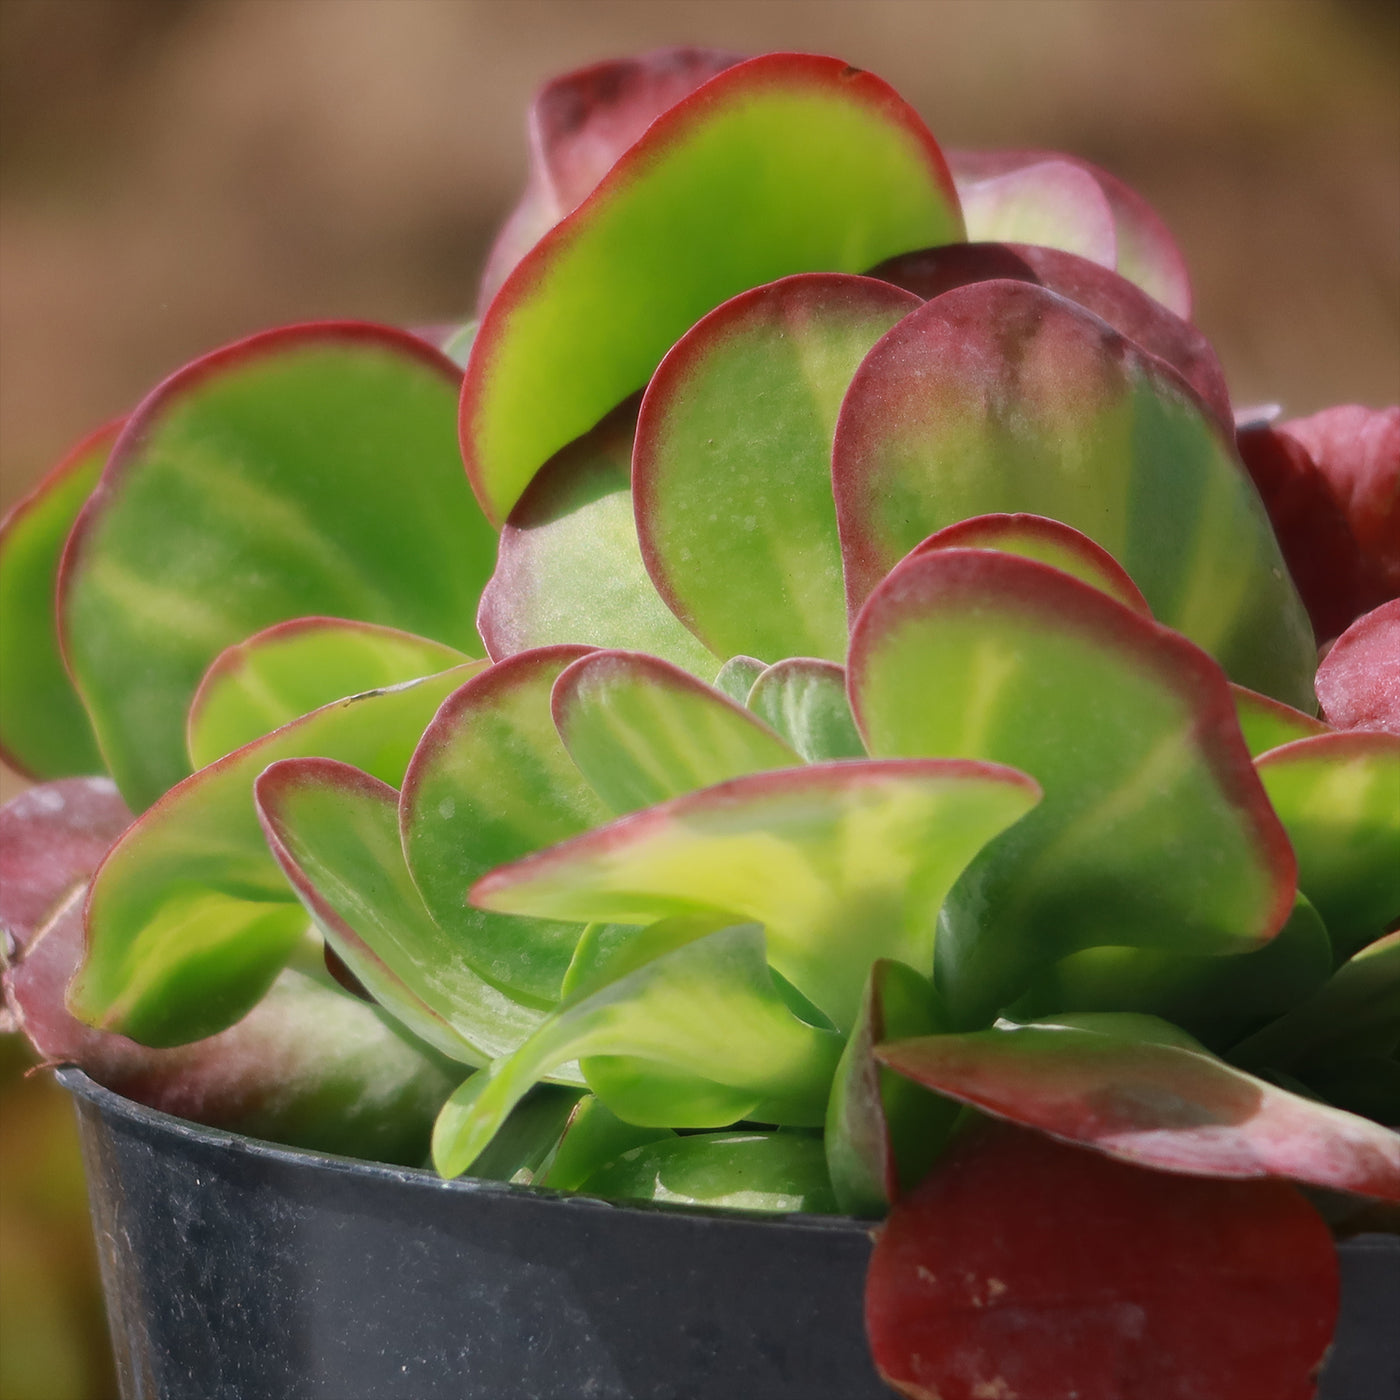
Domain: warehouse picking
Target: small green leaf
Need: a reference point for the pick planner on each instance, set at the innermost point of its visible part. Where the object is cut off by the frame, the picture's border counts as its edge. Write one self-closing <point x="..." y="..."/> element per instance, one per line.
<point x="737" y="676"/>
<point x="292" y="668"/>
<point x="804" y="700"/>
<point x="642" y="731"/>
<point x="593" y="1137"/>
<point x="1266" y="723"/>
<point x="529" y="1137"/>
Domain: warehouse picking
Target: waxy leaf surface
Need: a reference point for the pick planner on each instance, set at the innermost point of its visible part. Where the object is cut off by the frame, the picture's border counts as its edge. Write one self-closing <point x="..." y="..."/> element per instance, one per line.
<point x="731" y="474"/>
<point x="189" y="918"/>
<point x="704" y="1008"/>
<point x="842" y="863"/>
<point x="569" y="568"/>
<point x="1051" y="203"/>
<point x="1358" y="681"/>
<point x="1107" y="1082"/>
<point x="1024" y="1267"/>
<point x="306" y="471"/>
<point x="1154" y="831"/>
<point x="688" y="217"/>
<point x="491" y="782"/>
<point x="1266" y="723"/>
<point x="736" y="678"/>
<point x="804" y="700"/>
<point x="44" y="731"/>
<point x="292" y="668"/>
<point x="335" y="833"/>
<point x="1003" y="397"/>
<point x="643" y="731"/>
<point x="593" y="1137"/>
<point x="1338" y="796"/>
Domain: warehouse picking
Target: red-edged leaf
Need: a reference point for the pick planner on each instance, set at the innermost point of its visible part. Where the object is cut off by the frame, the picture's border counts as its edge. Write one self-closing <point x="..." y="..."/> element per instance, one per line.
<point x="1023" y="1269"/>
<point x="579" y="124"/>
<point x="1146" y="251"/>
<point x="1104" y="1080"/>
<point x="1358" y="682"/>
<point x="1123" y="304"/>
<point x="1267" y="723"/>
<point x="1051" y="203"/>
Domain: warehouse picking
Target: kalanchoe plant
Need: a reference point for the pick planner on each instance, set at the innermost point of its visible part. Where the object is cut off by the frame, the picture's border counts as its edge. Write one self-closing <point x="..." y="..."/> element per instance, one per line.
<point x="848" y="741"/>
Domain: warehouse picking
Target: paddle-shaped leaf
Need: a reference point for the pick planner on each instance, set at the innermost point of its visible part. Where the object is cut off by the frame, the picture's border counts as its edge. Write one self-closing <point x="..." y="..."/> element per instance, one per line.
<point x="189" y="918"/>
<point x="737" y="676"/>
<point x="704" y="1009"/>
<point x="643" y="731"/>
<point x="1154" y="832"/>
<point x="44" y="731"/>
<point x="306" y="471"/>
<point x="1006" y="397"/>
<point x="738" y="1171"/>
<point x="1338" y="796"/>
<point x="689" y="216"/>
<point x="1052" y="203"/>
<point x="1125" y="306"/>
<point x="1267" y="723"/>
<point x="1358" y="681"/>
<point x="1145" y="250"/>
<point x="1138" y="1089"/>
<point x="883" y="1131"/>
<point x="491" y="782"/>
<point x="842" y="863"/>
<point x="1023" y="1267"/>
<point x="804" y="700"/>
<point x="292" y="668"/>
<point x="731" y="474"/>
<point x="569" y="568"/>
<point x="335" y="833"/>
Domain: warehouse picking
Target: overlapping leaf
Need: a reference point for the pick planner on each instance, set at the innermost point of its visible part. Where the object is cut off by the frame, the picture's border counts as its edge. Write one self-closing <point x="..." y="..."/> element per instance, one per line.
<point x="804" y="700"/>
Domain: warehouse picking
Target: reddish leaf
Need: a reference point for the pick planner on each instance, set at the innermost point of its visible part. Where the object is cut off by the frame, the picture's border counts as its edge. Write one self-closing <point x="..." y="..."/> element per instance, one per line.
<point x="1359" y="681"/>
<point x="1023" y="1269"/>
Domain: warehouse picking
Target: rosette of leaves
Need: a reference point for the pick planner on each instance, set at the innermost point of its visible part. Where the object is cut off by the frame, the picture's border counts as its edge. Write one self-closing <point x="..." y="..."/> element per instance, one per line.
<point x="854" y="701"/>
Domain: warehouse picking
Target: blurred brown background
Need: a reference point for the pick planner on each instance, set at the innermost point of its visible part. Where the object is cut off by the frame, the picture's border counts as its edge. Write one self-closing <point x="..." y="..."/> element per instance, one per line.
<point x="175" y="173"/>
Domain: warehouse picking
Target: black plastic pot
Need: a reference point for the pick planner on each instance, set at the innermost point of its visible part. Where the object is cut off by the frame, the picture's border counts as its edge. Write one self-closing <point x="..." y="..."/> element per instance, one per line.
<point x="237" y="1270"/>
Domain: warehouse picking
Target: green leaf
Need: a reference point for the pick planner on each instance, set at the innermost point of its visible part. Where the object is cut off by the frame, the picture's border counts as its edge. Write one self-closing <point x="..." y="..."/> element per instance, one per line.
<point x="1338" y="796"/>
<point x="731" y="475"/>
<point x="335" y="833"/>
<point x="842" y="863"/>
<point x="1139" y="1094"/>
<point x="529" y="1137"/>
<point x="311" y="470"/>
<point x="44" y="730"/>
<point x="737" y="676"/>
<point x="569" y="567"/>
<point x="1266" y="724"/>
<point x="491" y="782"/>
<point x="292" y="668"/>
<point x="786" y="163"/>
<point x="1154" y="831"/>
<point x="702" y="1009"/>
<point x="593" y="1137"/>
<point x="1003" y="397"/>
<point x="642" y="731"/>
<point x="738" y="1171"/>
<point x="189" y="918"/>
<point x="804" y="700"/>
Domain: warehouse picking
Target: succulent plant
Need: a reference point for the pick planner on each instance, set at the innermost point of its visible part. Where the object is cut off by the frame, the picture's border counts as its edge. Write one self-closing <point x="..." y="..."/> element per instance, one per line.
<point x="847" y="743"/>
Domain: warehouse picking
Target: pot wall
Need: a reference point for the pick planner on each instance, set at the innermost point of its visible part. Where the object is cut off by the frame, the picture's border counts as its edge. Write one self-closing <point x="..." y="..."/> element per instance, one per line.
<point x="237" y="1270"/>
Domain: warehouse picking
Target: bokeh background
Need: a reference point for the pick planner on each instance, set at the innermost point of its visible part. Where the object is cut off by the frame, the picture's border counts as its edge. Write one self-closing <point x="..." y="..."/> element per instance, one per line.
<point x="176" y="173"/>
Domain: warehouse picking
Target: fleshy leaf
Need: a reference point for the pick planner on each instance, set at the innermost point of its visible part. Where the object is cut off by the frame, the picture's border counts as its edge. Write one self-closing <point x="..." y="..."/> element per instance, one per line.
<point x="1006" y="397"/>
<point x="1338" y="796"/>
<point x="529" y="1136"/>
<point x="739" y="1171"/>
<point x="1035" y="537"/>
<point x="305" y="471"/>
<point x="642" y="731"/>
<point x="1125" y="306"/>
<point x="292" y="668"/>
<point x="804" y="700"/>
<point x="491" y="782"/>
<point x="1052" y="203"/>
<point x="569" y="567"/>
<point x="44" y="731"/>
<point x="842" y="863"/>
<point x="706" y="1006"/>
<point x="731" y="474"/>
<point x="593" y="1137"/>
<point x="1267" y="723"/>
<point x="1154" y="832"/>
<point x="335" y="833"/>
<point x="688" y="217"/>
<point x="579" y="124"/>
<point x="882" y="1130"/>
<point x="189" y="918"/>
<point x="736" y="678"/>
<point x="1108" y="1082"/>
<point x="1146" y="252"/>
<point x="1358" y="681"/>
<point x="1024" y="1267"/>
